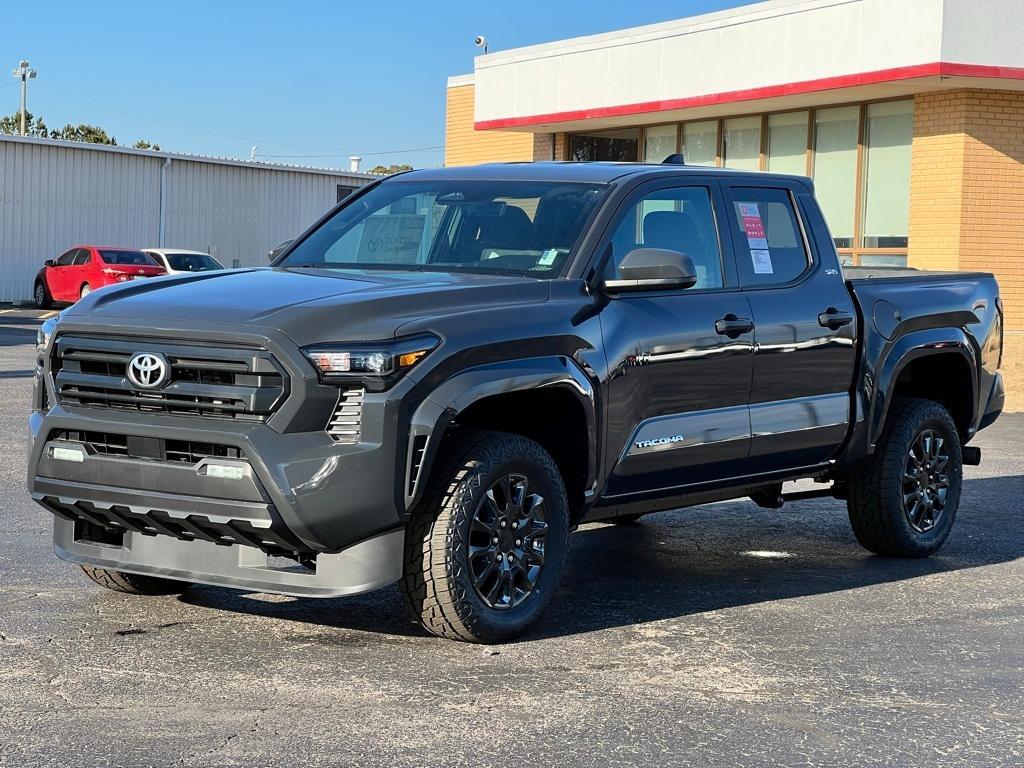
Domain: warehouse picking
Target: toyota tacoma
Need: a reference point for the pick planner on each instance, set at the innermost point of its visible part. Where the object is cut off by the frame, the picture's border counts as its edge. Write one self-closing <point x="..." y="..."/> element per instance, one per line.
<point x="455" y="368"/>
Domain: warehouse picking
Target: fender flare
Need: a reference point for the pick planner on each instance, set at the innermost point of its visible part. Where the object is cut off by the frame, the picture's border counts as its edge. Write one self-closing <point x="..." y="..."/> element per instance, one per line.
<point x="432" y="418"/>
<point x="914" y="346"/>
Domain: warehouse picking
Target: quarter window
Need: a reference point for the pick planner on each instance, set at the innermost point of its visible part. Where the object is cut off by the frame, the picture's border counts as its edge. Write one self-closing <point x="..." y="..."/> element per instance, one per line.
<point x="771" y="250"/>
<point x="678" y="219"/>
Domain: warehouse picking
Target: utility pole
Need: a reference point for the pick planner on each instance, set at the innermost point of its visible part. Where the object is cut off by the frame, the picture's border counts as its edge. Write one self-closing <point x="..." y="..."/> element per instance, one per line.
<point x="24" y="74"/>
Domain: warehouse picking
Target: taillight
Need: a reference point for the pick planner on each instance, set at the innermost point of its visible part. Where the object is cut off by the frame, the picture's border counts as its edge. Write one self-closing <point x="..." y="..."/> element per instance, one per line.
<point x="117" y="275"/>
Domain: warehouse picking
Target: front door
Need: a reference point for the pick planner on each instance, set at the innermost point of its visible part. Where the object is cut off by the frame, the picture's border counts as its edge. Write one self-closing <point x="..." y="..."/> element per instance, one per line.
<point x="59" y="276"/>
<point x="680" y="361"/>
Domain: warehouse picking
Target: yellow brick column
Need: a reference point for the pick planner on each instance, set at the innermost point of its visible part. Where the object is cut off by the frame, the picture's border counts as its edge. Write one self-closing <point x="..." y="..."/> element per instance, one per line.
<point x="464" y="145"/>
<point x="937" y="180"/>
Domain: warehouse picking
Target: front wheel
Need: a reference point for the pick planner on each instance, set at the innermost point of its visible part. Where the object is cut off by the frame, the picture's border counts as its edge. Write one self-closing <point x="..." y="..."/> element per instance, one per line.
<point x="41" y="296"/>
<point x="904" y="503"/>
<point x="485" y="549"/>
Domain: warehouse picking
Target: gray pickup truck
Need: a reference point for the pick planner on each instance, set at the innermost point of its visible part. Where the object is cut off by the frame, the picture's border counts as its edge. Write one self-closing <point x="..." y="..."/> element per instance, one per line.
<point x="455" y="368"/>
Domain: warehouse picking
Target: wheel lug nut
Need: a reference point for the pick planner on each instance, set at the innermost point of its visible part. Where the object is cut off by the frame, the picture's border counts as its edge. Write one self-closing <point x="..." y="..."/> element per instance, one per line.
<point x="499" y="557"/>
<point x="494" y="540"/>
<point x="502" y="523"/>
<point x="519" y="543"/>
<point x="511" y="558"/>
<point x="515" y="525"/>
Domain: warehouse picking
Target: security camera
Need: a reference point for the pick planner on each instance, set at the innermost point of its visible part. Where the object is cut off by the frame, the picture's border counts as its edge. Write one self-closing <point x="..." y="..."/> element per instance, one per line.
<point x="481" y="42"/>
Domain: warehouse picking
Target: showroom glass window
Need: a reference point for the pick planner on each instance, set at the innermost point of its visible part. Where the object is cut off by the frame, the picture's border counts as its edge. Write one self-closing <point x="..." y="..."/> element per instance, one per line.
<point x="660" y="142"/>
<point x="835" y="169"/>
<point x="889" y="130"/>
<point x="741" y="138"/>
<point x="787" y="143"/>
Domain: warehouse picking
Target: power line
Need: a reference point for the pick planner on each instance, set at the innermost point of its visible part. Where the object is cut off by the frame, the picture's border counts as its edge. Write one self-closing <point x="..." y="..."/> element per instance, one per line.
<point x="366" y="154"/>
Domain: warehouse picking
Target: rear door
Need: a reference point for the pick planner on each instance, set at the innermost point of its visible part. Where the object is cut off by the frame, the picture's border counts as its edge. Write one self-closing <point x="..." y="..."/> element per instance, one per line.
<point x="804" y="345"/>
<point x="680" y="360"/>
<point x="81" y="273"/>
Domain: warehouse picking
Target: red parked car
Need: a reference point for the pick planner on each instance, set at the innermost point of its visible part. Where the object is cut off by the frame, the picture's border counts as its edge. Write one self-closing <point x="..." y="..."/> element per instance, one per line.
<point x="87" y="267"/>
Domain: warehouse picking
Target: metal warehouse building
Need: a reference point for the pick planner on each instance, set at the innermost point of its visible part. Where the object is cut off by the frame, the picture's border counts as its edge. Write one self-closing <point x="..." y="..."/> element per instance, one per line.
<point x="56" y="194"/>
<point x="909" y="114"/>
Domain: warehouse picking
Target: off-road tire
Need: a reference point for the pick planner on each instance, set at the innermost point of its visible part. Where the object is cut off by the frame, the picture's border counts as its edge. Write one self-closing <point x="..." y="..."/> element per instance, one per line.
<point x="41" y="295"/>
<point x="436" y="584"/>
<point x="133" y="583"/>
<point x="875" y="501"/>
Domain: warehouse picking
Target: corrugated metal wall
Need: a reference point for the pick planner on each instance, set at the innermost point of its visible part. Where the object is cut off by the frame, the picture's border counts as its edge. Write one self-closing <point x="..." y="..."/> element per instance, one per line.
<point x="54" y="195"/>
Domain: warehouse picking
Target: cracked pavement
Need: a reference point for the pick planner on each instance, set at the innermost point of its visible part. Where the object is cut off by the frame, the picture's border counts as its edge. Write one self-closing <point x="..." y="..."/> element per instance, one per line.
<point x="720" y="636"/>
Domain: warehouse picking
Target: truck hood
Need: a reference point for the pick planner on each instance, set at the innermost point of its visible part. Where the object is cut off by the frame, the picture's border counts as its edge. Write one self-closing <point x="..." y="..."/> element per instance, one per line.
<point x="307" y="304"/>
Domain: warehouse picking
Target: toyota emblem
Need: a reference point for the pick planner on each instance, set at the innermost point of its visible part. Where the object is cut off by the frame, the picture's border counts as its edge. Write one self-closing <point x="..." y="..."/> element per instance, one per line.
<point x="148" y="370"/>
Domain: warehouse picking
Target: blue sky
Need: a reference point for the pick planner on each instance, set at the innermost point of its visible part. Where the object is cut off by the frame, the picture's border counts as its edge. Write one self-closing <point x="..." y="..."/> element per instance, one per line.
<point x="294" y="78"/>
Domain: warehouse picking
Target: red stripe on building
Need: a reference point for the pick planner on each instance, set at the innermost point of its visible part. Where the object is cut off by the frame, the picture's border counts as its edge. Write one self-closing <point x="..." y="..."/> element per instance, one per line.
<point x="895" y="74"/>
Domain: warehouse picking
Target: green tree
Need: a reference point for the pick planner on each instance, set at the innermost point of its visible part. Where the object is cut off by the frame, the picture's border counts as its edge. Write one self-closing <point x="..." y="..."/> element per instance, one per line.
<point x="388" y="170"/>
<point x="11" y="124"/>
<point x="143" y="144"/>
<point x="91" y="134"/>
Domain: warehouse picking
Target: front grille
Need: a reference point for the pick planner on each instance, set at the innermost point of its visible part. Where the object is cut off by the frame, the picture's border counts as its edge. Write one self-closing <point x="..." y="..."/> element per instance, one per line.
<point x="345" y="425"/>
<point x="208" y="381"/>
<point x="151" y="448"/>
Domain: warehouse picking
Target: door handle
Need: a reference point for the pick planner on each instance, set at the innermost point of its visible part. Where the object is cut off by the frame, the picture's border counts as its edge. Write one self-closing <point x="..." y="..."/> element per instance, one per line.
<point x="733" y="326"/>
<point x="834" y="319"/>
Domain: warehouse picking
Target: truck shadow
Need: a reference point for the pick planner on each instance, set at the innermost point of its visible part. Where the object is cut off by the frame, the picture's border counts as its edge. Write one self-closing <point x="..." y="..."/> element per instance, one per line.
<point x="675" y="564"/>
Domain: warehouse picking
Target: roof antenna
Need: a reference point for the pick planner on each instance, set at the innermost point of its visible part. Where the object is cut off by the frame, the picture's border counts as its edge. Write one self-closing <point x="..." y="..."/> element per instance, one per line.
<point x="674" y="159"/>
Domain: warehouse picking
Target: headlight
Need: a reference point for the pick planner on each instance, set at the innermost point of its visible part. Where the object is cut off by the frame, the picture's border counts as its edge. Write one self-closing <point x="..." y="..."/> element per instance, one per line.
<point x="382" y="362"/>
<point x="45" y="334"/>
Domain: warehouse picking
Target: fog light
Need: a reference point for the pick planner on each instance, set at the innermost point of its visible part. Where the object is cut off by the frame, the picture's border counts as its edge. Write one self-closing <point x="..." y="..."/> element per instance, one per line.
<point x="68" y="454"/>
<point x="224" y="471"/>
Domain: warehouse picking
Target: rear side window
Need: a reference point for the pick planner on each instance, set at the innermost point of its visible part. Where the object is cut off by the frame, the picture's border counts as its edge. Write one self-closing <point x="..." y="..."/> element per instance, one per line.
<point x="771" y="248"/>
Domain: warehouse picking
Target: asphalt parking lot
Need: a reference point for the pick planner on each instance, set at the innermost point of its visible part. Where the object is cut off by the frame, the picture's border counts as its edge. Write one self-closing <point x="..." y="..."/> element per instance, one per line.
<point x="720" y="636"/>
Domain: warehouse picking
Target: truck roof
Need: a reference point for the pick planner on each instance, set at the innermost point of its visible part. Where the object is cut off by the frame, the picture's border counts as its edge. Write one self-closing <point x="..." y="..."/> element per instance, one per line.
<point x="579" y="172"/>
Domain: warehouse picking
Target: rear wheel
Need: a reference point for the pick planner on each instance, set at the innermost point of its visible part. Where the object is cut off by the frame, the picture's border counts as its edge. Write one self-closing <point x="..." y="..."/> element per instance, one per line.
<point x="41" y="296"/>
<point x="486" y="547"/>
<point x="904" y="503"/>
<point x="133" y="583"/>
<point x="86" y="290"/>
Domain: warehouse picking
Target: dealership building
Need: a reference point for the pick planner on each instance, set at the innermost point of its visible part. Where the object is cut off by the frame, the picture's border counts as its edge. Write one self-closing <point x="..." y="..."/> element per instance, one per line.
<point x="908" y="115"/>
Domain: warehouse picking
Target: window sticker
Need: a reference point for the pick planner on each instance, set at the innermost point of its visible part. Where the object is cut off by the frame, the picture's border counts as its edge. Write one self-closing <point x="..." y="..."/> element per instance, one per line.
<point x="548" y="257"/>
<point x="762" y="261"/>
<point x="758" y="243"/>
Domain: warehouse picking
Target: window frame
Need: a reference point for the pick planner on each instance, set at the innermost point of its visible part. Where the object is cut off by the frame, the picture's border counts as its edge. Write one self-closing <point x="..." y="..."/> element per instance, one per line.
<point x="813" y="260"/>
<point x="600" y="258"/>
<point x="849" y="256"/>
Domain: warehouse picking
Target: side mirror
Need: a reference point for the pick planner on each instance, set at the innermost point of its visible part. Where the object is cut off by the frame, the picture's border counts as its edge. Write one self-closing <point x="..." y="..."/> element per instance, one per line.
<point x="652" y="269"/>
<point x="49" y="263"/>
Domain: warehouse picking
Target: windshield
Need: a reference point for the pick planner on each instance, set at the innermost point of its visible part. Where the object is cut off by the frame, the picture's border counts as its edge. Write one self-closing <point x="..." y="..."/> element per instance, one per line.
<point x="137" y="258"/>
<point x="192" y="262"/>
<point x="511" y="227"/>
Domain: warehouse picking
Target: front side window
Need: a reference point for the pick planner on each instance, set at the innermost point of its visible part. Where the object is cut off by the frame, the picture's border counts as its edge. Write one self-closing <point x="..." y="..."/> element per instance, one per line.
<point x="524" y="228"/>
<point x="82" y="258"/>
<point x="677" y="219"/>
<point x="67" y="259"/>
<point x="772" y="250"/>
<point x="128" y="258"/>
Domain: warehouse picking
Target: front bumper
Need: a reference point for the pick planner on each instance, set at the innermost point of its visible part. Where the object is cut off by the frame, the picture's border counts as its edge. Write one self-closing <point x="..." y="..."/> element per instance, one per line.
<point x="328" y="504"/>
<point x="368" y="565"/>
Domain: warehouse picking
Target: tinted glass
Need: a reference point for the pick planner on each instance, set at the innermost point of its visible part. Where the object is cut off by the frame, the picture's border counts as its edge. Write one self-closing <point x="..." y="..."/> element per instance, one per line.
<point x="192" y="262"/>
<point x="615" y="145"/>
<point x="511" y="227"/>
<point x="82" y="257"/>
<point x="124" y="258"/>
<point x="65" y="259"/>
<point x="678" y="219"/>
<point x="771" y="247"/>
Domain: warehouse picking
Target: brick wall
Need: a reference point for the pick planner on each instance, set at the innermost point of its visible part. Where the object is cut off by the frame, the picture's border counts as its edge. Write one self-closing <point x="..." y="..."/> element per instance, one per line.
<point x="967" y="188"/>
<point x="464" y="145"/>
